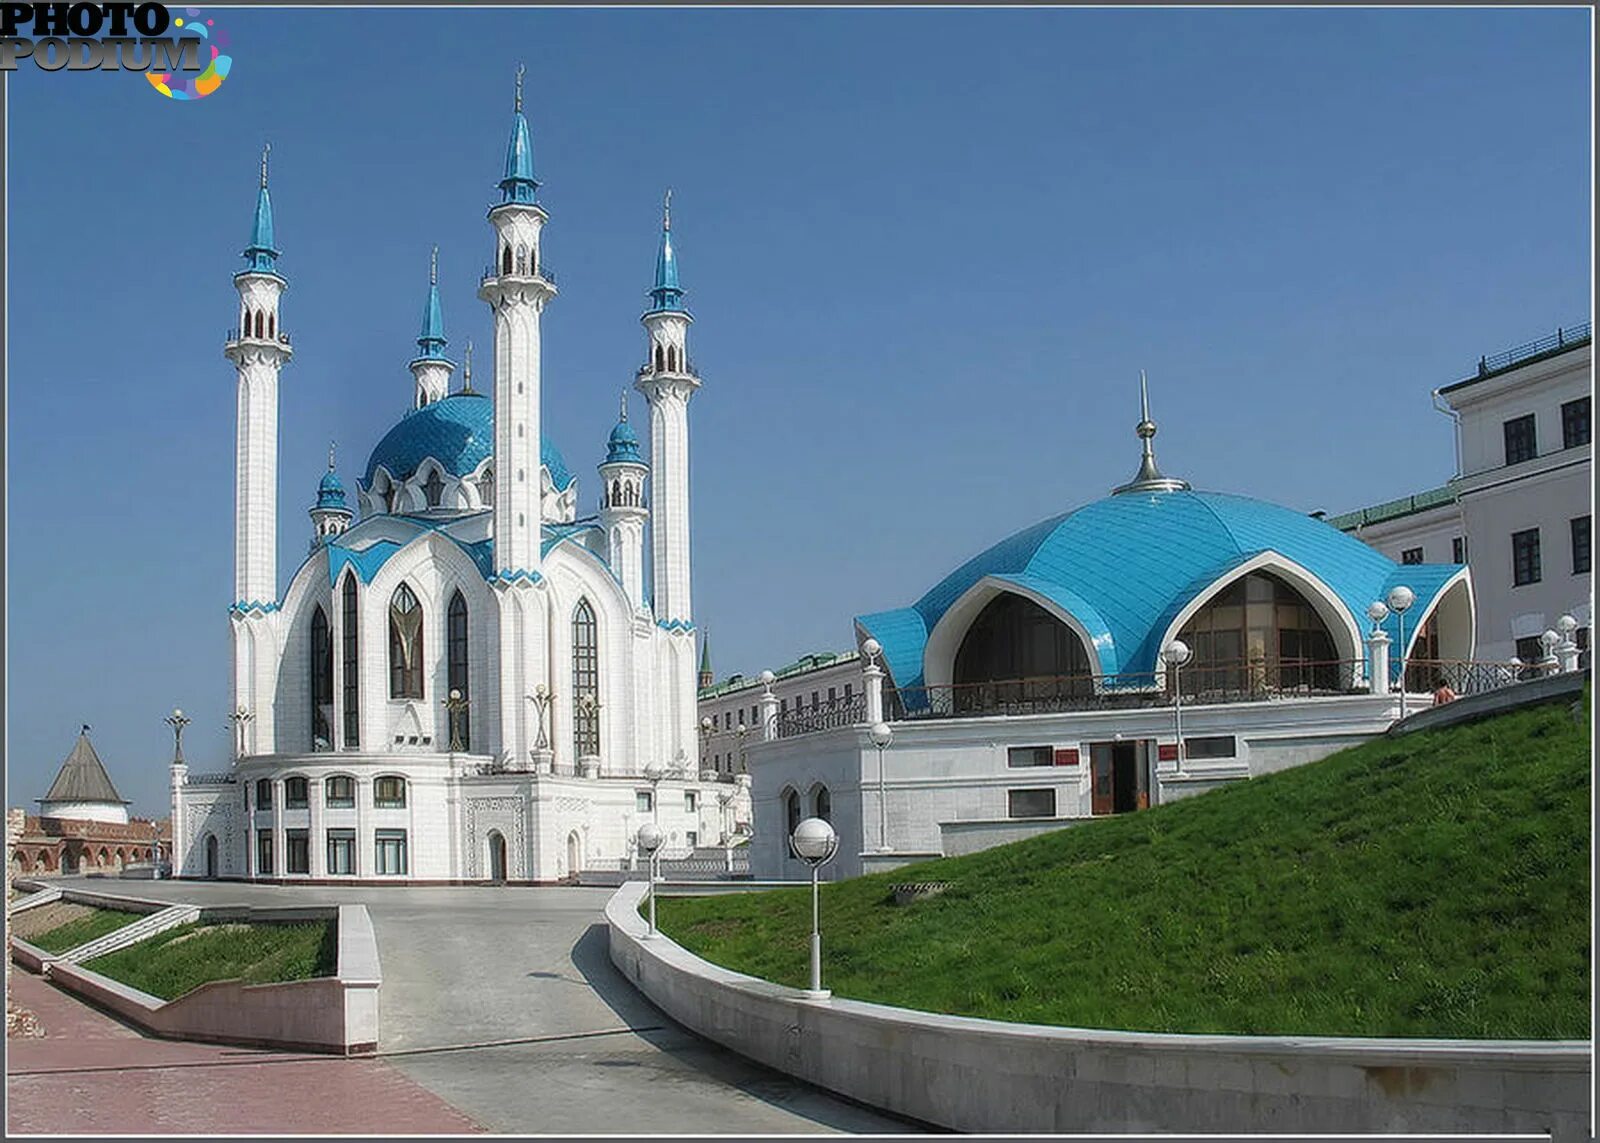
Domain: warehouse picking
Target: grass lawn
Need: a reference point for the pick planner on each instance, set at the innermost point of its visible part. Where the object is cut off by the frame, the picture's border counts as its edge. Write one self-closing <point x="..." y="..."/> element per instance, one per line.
<point x="97" y="923"/>
<point x="172" y="963"/>
<point x="1432" y="885"/>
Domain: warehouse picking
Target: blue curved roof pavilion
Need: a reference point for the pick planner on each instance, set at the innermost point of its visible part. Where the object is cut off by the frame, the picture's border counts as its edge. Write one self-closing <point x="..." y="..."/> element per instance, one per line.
<point x="458" y="432"/>
<point x="1127" y="566"/>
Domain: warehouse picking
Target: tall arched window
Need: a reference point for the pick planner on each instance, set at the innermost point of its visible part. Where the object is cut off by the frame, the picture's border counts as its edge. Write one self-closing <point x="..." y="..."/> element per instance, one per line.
<point x="1017" y="652"/>
<point x="433" y="489"/>
<point x="456" y="640"/>
<point x="585" y="681"/>
<point x="661" y="360"/>
<point x="272" y="325"/>
<point x="505" y="259"/>
<point x="321" y="681"/>
<point x="486" y="488"/>
<point x="1256" y="634"/>
<point x="822" y="803"/>
<point x="352" y="665"/>
<point x="791" y="812"/>
<point x="261" y="323"/>
<point x="405" y="645"/>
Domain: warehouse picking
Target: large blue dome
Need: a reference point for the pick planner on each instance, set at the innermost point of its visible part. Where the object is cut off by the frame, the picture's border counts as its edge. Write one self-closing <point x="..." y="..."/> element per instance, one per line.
<point x="1125" y="566"/>
<point x="458" y="432"/>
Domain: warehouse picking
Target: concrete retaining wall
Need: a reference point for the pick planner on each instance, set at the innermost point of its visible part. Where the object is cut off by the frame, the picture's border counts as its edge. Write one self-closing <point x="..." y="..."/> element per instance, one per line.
<point x="1567" y="687"/>
<point x="990" y="1076"/>
<point x="330" y="1014"/>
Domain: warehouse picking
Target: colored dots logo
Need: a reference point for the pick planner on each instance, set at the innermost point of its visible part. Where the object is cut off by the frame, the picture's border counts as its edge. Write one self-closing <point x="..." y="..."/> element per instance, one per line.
<point x="213" y="40"/>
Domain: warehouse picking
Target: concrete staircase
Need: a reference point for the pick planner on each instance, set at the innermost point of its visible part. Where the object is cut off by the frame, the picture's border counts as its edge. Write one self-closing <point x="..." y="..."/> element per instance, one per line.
<point x="38" y="897"/>
<point x="131" y="934"/>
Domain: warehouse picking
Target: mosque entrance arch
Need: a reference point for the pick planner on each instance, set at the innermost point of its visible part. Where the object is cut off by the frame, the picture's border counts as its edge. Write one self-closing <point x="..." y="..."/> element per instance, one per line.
<point x="211" y="855"/>
<point x="497" y="856"/>
<point x="1259" y="633"/>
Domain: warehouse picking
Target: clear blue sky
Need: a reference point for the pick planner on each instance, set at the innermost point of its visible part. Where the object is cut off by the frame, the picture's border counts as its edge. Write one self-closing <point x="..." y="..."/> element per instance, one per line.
<point x="928" y="251"/>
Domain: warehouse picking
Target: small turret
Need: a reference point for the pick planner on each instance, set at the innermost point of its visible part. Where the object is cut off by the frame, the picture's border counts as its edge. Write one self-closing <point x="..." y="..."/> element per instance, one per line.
<point x="706" y="677"/>
<point x="431" y="368"/>
<point x="329" y="516"/>
<point x="622" y="506"/>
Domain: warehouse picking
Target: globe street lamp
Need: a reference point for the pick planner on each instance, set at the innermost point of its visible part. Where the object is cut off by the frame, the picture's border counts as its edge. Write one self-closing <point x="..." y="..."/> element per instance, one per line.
<point x="457" y="706"/>
<point x="815" y="843"/>
<point x="882" y="735"/>
<point x="178" y="720"/>
<point x="705" y="745"/>
<point x="1549" y="664"/>
<point x="1400" y="599"/>
<point x="649" y="840"/>
<point x="1175" y="654"/>
<point x="653" y="773"/>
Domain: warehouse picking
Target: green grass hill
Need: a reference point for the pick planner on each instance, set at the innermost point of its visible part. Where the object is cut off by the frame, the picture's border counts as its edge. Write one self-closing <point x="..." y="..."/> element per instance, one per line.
<point x="1434" y="885"/>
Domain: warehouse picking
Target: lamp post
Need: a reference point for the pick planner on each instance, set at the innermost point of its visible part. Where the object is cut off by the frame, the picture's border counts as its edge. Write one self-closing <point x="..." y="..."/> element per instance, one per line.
<point x="155" y="850"/>
<point x="705" y="745"/>
<point x="741" y="731"/>
<point x="882" y="734"/>
<point x="649" y="841"/>
<point x="815" y="843"/>
<point x="239" y="718"/>
<point x="653" y="773"/>
<point x="1175" y="654"/>
<point x="1400" y="599"/>
<point x="1549" y="665"/>
<point x="1567" y="650"/>
<point x="178" y="720"/>
<point x="457" y="706"/>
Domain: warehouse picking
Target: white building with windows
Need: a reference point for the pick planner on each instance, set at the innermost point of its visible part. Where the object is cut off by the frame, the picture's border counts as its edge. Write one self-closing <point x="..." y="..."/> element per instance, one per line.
<point x="825" y="683"/>
<point x="473" y="680"/>
<point x="1518" y="510"/>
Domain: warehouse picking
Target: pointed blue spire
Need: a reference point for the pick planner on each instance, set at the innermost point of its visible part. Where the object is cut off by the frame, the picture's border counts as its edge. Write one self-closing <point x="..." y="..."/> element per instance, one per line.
<point x="519" y="185"/>
<point x="431" y="341"/>
<point x="261" y="255"/>
<point x="666" y="295"/>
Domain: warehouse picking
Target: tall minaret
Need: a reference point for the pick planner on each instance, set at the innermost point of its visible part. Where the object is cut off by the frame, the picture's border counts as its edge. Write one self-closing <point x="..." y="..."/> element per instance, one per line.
<point x="517" y="287"/>
<point x="622" y="508"/>
<point x="667" y="381"/>
<point x="258" y="349"/>
<point x="431" y="367"/>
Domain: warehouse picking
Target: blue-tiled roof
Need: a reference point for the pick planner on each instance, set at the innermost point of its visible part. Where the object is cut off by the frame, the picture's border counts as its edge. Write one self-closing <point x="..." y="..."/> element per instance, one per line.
<point x="458" y="432"/>
<point x="1126" y="566"/>
<point x="519" y="184"/>
<point x="623" y="445"/>
<point x="330" y="492"/>
<point x="367" y="560"/>
<point x="261" y="254"/>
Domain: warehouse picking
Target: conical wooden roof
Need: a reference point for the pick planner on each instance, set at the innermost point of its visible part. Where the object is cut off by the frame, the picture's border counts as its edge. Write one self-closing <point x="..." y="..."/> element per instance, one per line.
<point x="83" y="777"/>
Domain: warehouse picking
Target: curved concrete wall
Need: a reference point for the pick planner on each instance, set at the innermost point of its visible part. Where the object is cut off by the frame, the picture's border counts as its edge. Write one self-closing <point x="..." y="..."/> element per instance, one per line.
<point x="990" y="1076"/>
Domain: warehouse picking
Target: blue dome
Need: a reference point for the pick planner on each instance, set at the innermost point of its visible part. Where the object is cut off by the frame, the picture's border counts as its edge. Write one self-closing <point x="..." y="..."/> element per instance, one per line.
<point x="458" y="432"/>
<point x="330" y="492"/>
<point x="623" y="445"/>
<point x="1125" y="567"/>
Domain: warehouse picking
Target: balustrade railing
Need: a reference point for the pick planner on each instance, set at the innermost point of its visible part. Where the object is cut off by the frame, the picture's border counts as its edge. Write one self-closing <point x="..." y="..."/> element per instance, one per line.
<point x="539" y="270"/>
<point x="827" y="716"/>
<point x="1467" y="676"/>
<point x="1561" y="339"/>
<point x="234" y="335"/>
<point x="688" y="367"/>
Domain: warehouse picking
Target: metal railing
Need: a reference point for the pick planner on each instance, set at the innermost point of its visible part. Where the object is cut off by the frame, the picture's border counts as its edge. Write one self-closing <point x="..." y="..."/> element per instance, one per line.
<point x="280" y="337"/>
<point x="540" y="270"/>
<point x="689" y="368"/>
<point x="1467" y="676"/>
<point x="827" y="716"/>
<point x="1564" y="337"/>
<point x="1259" y="680"/>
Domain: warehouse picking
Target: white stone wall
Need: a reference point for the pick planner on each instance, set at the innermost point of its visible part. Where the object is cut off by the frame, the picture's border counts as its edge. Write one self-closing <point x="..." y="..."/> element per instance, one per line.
<point x="210" y="810"/>
<point x="668" y="396"/>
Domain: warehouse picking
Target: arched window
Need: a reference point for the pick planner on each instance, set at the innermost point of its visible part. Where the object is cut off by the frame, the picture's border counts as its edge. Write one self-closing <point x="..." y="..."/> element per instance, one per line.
<point x="272" y="325"/>
<point x="352" y="664"/>
<point x="433" y="489"/>
<point x="822" y="803"/>
<point x="456" y="641"/>
<point x="585" y="681"/>
<point x="661" y="359"/>
<point x="389" y="792"/>
<point x="1254" y="635"/>
<point x="1016" y="652"/>
<point x="321" y="681"/>
<point x="616" y="492"/>
<point x="486" y="488"/>
<point x="791" y="813"/>
<point x="261" y="325"/>
<point x="522" y="258"/>
<point x="263" y="793"/>
<point x="405" y="644"/>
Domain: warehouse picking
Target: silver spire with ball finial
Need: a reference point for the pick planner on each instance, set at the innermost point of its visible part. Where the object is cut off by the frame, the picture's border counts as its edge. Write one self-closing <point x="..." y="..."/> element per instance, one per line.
<point x="1148" y="478"/>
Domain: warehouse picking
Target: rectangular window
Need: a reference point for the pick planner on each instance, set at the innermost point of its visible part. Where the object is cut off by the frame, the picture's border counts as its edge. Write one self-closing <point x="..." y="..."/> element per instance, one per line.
<point x="1411" y="556"/>
<point x="1580" y="545"/>
<point x="783" y="706"/>
<point x="815" y="701"/>
<point x="1220" y="746"/>
<point x="692" y="838"/>
<point x="716" y="721"/>
<point x="390" y="851"/>
<point x="263" y="853"/>
<point x="295" y="791"/>
<point x="1458" y="550"/>
<point x="691" y="801"/>
<point x="341" y="853"/>
<point x="833" y="694"/>
<point x="1530" y="650"/>
<point x="297" y="851"/>
<point x="1031" y="803"/>
<point x="1525" y="557"/>
<point x="341" y="793"/>
<point x="263" y="793"/>
<point x="389" y="793"/>
<point x="848" y="692"/>
<point x="1575" y="423"/>
<point x="642" y="802"/>
<point x="1030" y="756"/>
<point x="1522" y="441"/>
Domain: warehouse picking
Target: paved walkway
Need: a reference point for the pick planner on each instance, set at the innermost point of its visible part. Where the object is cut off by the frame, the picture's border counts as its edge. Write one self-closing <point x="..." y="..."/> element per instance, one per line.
<point x="91" y="1075"/>
<point x="502" y="1001"/>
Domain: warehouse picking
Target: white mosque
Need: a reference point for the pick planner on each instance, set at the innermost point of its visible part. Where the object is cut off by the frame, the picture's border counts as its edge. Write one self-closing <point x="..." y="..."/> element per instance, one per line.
<point x="472" y="681"/>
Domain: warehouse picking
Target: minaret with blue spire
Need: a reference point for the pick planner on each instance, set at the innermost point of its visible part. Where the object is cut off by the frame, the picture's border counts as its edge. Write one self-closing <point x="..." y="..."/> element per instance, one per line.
<point x="329" y="515"/>
<point x="258" y="349"/>
<point x="667" y="379"/>
<point x="623" y="513"/>
<point x="517" y="285"/>
<point x="431" y="367"/>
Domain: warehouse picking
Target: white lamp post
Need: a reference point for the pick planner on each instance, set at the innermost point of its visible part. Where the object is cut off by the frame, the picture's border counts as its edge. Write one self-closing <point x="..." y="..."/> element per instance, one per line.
<point x="1567" y="650"/>
<point x="1549" y="664"/>
<point x="815" y="843"/>
<point x="653" y="773"/>
<point x="882" y="735"/>
<point x="649" y="840"/>
<point x="1176" y="654"/>
<point x="1400" y="600"/>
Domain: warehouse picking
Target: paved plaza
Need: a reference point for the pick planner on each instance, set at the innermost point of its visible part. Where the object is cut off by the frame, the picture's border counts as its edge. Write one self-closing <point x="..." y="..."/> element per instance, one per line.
<point x="499" y="1005"/>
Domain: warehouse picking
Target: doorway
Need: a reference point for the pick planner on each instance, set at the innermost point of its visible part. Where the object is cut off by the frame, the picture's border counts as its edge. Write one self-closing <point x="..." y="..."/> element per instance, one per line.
<point x="211" y="855"/>
<point x="1120" y="772"/>
<point x="574" y="855"/>
<point x="497" y="856"/>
